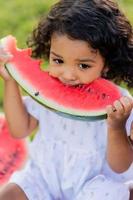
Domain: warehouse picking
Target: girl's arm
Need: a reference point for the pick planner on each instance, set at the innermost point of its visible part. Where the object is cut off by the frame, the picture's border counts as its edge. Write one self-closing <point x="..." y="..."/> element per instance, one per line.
<point x="119" y="150"/>
<point x="21" y="123"/>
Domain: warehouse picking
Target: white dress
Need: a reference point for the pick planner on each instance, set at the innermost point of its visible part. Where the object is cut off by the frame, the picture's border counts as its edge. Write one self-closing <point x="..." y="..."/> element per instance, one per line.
<point x="67" y="160"/>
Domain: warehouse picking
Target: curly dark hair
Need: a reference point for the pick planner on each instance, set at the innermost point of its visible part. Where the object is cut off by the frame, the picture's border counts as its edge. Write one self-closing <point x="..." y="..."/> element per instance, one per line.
<point x="100" y="23"/>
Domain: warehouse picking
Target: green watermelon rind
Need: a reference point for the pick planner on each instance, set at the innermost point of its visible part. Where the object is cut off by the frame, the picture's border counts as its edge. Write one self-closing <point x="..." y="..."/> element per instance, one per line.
<point x="47" y="102"/>
<point x="63" y="111"/>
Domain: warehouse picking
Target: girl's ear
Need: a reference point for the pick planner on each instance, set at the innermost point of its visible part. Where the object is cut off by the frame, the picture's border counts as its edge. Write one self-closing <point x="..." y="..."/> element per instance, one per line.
<point x="104" y="72"/>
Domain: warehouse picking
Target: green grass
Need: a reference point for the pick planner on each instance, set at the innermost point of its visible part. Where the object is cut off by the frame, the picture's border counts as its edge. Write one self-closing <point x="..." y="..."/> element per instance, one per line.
<point x="127" y="7"/>
<point x="19" y="17"/>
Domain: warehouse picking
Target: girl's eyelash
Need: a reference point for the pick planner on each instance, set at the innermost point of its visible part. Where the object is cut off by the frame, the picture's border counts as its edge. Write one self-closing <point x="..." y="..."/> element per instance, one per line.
<point x="58" y="61"/>
<point x="84" y="66"/>
<point x="81" y="66"/>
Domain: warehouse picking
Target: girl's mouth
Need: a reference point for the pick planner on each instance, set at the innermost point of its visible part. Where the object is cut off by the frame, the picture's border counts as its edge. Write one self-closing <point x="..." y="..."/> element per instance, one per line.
<point x="69" y="83"/>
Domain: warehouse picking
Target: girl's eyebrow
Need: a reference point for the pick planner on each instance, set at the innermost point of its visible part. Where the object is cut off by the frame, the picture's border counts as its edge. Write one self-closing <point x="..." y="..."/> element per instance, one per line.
<point x="85" y="60"/>
<point x="78" y="60"/>
<point x="55" y="54"/>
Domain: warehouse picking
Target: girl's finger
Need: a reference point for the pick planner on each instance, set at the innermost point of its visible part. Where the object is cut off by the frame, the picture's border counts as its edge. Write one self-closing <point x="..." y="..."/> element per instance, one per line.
<point x="5" y="57"/>
<point x="110" y="109"/>
<point x="119" y="107"/>
<point x="4" y="54"/>
<point x="127" y="104"/>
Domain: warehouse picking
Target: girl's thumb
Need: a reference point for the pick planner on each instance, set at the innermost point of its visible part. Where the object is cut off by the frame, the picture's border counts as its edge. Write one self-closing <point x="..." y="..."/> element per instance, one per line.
<point x="131" y="131"/>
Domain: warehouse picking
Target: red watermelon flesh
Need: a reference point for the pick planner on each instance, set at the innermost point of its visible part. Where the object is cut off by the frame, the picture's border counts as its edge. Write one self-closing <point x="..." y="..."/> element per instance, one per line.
<point x="13" y="152"/>
<point x="87" y="101"/>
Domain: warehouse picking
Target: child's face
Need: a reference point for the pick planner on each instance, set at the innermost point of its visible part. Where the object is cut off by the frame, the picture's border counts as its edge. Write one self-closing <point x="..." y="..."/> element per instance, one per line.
<point x="73" y="62"/>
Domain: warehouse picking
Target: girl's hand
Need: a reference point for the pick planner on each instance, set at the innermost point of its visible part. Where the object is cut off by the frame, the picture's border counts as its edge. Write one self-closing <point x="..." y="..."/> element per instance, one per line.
<point x="118" y="113"/>
<point x="4" y="58"/>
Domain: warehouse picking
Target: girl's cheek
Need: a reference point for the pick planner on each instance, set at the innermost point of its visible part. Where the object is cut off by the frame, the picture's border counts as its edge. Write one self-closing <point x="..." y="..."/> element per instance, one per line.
<point x="52" y="71"/>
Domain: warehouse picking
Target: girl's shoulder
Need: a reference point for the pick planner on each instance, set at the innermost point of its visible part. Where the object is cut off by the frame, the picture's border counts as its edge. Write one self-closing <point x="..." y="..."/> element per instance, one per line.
<point x="37" y="110"/>
<point x="124" y="91"/>
<point x="33" y="107"/>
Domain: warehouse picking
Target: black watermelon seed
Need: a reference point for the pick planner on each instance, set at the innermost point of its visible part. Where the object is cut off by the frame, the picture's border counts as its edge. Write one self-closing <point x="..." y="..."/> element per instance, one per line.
<point x="37" y="93"/>
<point x="88" y="90"/>
<point x="103" y="95"/>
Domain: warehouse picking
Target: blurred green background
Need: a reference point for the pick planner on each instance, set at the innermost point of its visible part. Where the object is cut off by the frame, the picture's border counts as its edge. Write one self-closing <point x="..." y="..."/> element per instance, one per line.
<point x="19" y="17"/>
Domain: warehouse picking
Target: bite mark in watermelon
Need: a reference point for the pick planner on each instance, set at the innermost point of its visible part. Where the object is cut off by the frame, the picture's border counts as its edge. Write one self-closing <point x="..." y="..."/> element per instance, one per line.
<point x="13" y="152"/>
<point x="84" y="102"/>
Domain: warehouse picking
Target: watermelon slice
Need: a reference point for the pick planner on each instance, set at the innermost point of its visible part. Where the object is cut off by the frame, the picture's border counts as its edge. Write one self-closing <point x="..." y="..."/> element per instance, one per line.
<point x="84" y="101"/>
<point x="13" y="152"/>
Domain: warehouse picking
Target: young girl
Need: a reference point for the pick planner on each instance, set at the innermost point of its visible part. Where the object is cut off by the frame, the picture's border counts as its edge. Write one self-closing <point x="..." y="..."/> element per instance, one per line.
<point x="73" y="159"/>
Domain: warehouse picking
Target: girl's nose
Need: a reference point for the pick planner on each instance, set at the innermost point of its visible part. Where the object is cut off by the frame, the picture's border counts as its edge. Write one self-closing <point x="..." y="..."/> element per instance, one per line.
<point x="69" y="75"/>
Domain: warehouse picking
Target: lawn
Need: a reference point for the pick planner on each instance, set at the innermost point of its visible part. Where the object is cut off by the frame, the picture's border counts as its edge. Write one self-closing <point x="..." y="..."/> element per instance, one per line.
<point x="20" y="17"/>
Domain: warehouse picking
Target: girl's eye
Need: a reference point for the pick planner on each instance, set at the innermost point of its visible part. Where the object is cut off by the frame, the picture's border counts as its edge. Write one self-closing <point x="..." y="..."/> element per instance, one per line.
<point x="58" y="61"/>
<point x="84" y="66"/>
